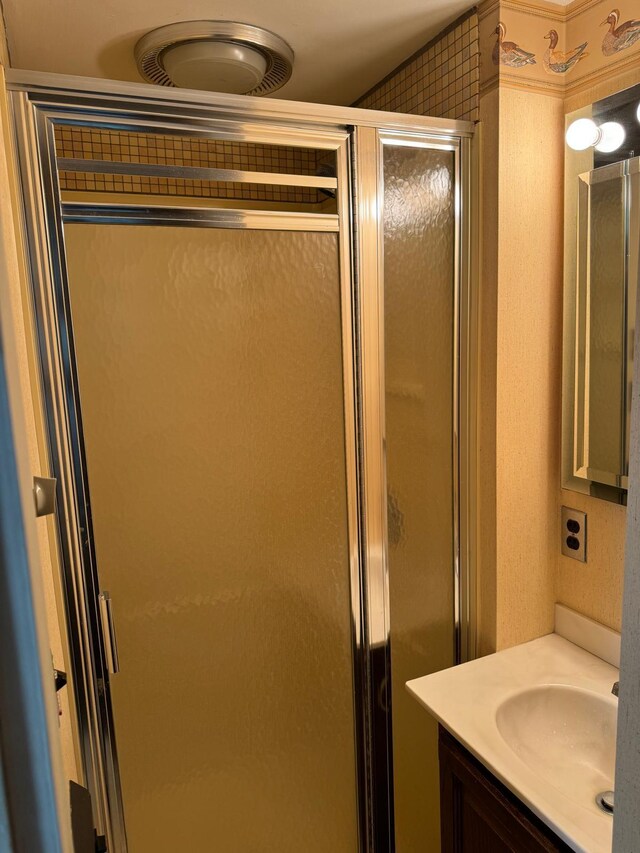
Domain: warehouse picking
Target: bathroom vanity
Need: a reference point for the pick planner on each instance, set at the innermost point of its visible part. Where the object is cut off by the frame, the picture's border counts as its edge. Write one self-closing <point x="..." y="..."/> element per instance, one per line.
<point x="527" y="742"/>
<point x="479" y="814"/>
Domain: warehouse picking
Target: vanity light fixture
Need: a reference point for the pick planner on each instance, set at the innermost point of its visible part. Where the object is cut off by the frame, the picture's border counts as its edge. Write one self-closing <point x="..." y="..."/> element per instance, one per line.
<point x="638" y="112"/>
<point x="611" y="137"/>
<point x="585" y="133"/>
<point x="582" y="134"/>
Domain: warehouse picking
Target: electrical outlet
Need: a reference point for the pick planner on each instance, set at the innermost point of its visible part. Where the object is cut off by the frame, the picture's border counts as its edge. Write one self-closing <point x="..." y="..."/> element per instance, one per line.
<point x="574" y="534"/>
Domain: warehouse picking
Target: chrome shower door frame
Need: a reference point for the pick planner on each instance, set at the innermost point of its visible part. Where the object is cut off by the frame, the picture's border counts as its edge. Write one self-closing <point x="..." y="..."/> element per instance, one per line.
<point x="369" y="192"/>
<point x="356" y="136"/>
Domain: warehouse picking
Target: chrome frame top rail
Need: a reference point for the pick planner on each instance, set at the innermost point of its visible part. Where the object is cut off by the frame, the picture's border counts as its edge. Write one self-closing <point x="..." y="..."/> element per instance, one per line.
<point x="45" y="87"/>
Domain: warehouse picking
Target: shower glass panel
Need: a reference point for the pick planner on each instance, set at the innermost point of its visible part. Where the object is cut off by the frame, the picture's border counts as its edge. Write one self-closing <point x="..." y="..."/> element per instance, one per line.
<point x="210" y="382"/>
<point x="419" y="323"/>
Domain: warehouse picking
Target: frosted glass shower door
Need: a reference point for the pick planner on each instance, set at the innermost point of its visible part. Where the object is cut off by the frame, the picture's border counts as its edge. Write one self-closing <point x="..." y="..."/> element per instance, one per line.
<point x="210" y="382"/>
<point x="419" y="233"/>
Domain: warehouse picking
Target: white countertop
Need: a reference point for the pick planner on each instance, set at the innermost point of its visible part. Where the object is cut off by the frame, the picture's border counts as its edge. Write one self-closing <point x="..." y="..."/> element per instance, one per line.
<point x="465" y="700"/>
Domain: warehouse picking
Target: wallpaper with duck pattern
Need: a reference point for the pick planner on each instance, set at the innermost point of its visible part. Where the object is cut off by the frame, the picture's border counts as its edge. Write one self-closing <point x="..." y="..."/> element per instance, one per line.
<point x="558" y="48"/>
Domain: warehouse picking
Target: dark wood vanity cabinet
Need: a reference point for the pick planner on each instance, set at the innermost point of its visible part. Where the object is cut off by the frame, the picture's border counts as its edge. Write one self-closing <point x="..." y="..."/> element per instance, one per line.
<point x="479" y="815"/>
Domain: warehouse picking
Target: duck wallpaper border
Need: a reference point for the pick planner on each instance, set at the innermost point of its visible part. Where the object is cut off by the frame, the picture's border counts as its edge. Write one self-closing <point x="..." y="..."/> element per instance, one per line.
<point x="619" y="36"/>
<point x="560" y="62"/>
<point x="554" y="48"/>
<point x="508" y="52"/>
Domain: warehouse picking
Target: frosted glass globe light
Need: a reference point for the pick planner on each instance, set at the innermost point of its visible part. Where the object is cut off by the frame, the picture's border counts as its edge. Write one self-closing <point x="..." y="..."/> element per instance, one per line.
<point x="638" y="113"/>
<point x="611" y="137"/>
<point x="582" y="134"/>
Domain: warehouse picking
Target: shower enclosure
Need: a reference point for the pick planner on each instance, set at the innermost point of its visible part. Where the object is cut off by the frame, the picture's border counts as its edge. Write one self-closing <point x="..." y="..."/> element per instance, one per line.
<point x="253" y="320"/>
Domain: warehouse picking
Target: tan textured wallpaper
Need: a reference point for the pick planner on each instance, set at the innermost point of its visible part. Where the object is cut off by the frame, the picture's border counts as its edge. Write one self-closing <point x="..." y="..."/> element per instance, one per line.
<point x="595" y="587"/>
<point x="4" y="48"/>
<point x="523" y="103"/>
<point x="521" y="572"/>
<point x="529" y="330"/>
<point x="441" y="79"/>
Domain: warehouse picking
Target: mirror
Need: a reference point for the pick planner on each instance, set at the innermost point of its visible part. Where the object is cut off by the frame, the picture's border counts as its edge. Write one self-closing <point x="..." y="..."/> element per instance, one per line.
<point x="602" y="248"/>
<point x="607" y="278"/>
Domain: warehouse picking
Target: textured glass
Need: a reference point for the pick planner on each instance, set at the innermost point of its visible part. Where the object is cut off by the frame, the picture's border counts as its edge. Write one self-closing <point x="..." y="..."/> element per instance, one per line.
<point x="419" y="217"/>
<point x="211" y="388"/>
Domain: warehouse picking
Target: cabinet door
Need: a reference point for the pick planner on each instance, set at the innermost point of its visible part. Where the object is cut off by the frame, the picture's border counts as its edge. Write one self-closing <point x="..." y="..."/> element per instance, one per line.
<point x="479" y="815"/>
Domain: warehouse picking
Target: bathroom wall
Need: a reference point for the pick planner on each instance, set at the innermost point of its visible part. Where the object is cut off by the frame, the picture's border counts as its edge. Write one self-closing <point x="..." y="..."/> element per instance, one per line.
<point x="533" y="97"/>
<point x="529" y="334"/>
<point x="10" y="233"/>
<point x="520" y="360"/>
<point x="521" y="572"/>
<point x="4" y="47"/>
<point x="520" y="569"/>
<point x="441" y="79"/>
<point x="595" y="588"/>
<point x="521" y="105"/>
<point x="591" y="59"/>
<point x="519" y="364"/>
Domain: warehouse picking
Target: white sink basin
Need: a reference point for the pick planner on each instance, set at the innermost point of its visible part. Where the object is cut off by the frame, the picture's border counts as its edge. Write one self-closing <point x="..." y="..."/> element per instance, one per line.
<point x="567" y="735"/>
<point x="541" y="718"/>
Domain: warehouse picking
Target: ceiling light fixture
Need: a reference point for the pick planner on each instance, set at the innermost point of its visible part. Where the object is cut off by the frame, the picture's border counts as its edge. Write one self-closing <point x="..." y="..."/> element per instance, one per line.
<point x="585" y="133"/>
<point x="217" y="56"/>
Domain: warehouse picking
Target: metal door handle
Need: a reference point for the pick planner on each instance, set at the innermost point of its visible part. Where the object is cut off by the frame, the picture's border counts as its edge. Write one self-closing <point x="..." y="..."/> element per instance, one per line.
<point x="44" y="493"/>
<point x="108" y="633"/>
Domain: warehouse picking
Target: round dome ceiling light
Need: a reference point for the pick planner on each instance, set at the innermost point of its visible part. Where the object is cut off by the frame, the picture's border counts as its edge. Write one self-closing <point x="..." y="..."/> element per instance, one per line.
<point x="217" y="56"/>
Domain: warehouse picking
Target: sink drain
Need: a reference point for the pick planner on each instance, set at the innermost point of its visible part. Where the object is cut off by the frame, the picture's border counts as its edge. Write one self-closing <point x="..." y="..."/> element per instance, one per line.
<point x="605" y="801"/>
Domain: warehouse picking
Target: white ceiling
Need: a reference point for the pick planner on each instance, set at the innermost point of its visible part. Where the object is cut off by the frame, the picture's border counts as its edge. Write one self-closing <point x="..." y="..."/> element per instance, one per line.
<point x="342" y="47"/>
